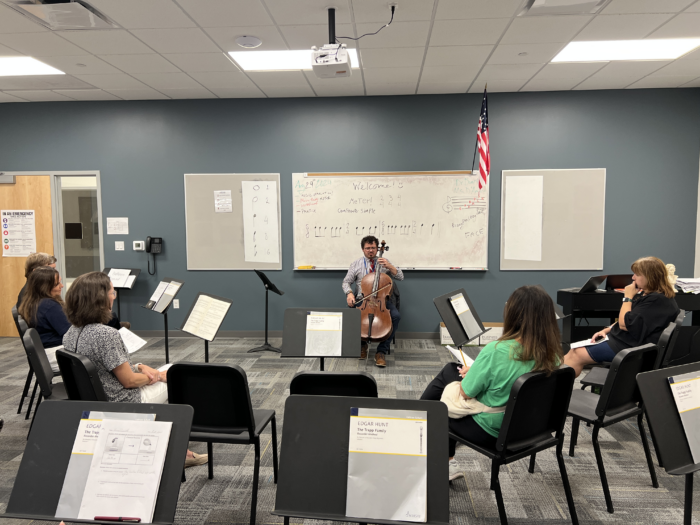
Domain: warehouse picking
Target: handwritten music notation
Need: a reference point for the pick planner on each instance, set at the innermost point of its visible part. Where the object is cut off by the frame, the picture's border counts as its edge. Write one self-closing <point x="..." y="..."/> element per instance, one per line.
<point x="382" y="229"/>
<point x="464" y="203"/>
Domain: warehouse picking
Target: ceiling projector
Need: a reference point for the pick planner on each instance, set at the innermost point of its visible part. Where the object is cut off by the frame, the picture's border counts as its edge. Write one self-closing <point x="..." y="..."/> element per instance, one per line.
<point x="331" y="61"/>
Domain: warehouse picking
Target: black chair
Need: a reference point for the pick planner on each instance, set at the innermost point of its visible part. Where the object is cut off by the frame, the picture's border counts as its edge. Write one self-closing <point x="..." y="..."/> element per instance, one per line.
<point x="30" y="374"/>
<point x="223" y="412"/>
<point x="536" y="409"/>
<point x="80" y="378"/>
<point x="619" y="400"/>
<point x="346" y="384"/>
<point x="42" y="369"/>
<point x="669" y="358"/>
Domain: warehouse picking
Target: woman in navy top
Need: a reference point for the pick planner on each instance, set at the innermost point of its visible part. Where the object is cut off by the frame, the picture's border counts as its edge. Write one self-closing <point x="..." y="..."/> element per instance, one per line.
<point x="42" y="309"/>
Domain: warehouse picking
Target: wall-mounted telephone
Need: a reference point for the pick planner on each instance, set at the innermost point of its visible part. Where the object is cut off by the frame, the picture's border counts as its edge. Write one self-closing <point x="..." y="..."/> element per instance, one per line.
<point x="154" y="245"/>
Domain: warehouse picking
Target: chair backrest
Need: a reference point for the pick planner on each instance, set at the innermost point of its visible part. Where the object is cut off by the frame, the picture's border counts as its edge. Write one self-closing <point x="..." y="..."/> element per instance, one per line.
<point x="15" y="318"/>
<point x="620" y="391"/>
<point x="536" y="408"/>
<point x="346" y="384"/>
<point x="80" y="377"/>
<point x="40" y="362"/>
<point x="668" y="355"/>
<point x="218" y="393"/>
<point x="22" y="326"/>
<point x="663" y="343"/>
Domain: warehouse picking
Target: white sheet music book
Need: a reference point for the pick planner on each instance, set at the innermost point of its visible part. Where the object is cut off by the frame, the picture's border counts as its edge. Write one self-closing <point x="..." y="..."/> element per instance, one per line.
<point x="206" y="317"/>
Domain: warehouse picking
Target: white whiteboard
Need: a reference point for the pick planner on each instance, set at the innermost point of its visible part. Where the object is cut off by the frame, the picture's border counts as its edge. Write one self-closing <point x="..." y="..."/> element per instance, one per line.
<point x="435" y="220"/>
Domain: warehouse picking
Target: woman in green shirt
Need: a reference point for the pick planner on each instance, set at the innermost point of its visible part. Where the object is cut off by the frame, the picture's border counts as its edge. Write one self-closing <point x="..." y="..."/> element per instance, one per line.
<point x="530" y="342"/>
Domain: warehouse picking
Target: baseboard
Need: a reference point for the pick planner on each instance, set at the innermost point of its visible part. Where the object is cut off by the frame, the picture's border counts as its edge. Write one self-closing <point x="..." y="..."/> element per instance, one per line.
<point x="260" y="334"/>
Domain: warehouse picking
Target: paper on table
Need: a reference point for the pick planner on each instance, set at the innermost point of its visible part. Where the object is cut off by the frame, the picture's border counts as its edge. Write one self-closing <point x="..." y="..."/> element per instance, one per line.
<point x="587" y="342"/>
<point x="467" y="361"/>
<point x="119" y="277"/>
<point x="522" y="231"/>
<point x="324" y="333"/>
<point x="260" y="224"/>
<point x="206" y="317"/>
<point x="132" y="342"/>
<point x="130" y="281"/>
<point x="117" y="225"/>
<point x="159" y="291"/>
<point x="686" y="393"/>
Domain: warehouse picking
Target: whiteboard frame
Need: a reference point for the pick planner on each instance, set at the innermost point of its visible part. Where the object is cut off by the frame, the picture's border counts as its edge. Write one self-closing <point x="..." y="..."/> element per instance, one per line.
<point x="503" y="210"/>
<point x="447" y="173"/>
<point x="279" y="224"/>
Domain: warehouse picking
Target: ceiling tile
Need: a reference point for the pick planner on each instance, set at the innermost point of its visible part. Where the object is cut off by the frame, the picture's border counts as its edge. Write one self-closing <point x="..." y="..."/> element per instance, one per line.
<point x="509" y="72"/>
<point x="226" y="13"/>
<point x="196" y="62"/>
<point x="549" y="84"/>
<point x="695" y="8"/>
<point x="6" y="51"/>
<point x="693" y="83"/>
<point x="192" y="40"/>
<point x="190" y="93"/>
<point x="222" y="80"/>
<point x="39" y="96"/>
<point x="303" y="37"/>
<point x="540" y="29"/>
<point x="497" y="86"/>
<point x="392" y="57"/>
<point x="621" y="27"/>
<point x="238" y="92"/>
<point x="13" y="22"/>
<point x="289" y="92"/>
<point x="435" y="88"/>
<point x="685" y="25"/>
<point x="307" y="11"/>
<point x="533" y="53"/>
<point x="226" y="37"/>
<point x="138" y="94"/>
<point x="569" y="72"/>
<point x="106" y="42"/>
<point x="679" y="68"/>
<point x="646" y="6"/>
<point x="141" y="63"/>
<point x="390" y="75"/>
<point x="450" y="74"/>
<point x="340" y="91"/>
<point x="380" y="12"/>
<point x="693" y="55"/>
<point x="398" y="34"/>
<point x="470" y="9"/>
<point x="81" y="65"/>
<point x="142" y="14"/>
<point x="167" y="80"/>
<point x="41" y="82"/>
<point x="278" y="79"/>
<point x="40" y="44"/>
<point x="4" y="97"/>
<point x="86" y="94"/>
<point x="353" y="80"/>
<point x="662" y="82"/>
<point x="466" y="32"/>
<point x="112" y="82"/>
<point x="618" y="75"/>
<point x="457" y="55"/>
<point x="398" y="88"/>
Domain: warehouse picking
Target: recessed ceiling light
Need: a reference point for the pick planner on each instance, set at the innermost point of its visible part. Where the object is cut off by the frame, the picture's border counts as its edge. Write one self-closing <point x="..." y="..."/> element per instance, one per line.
<point x="280" y="60"/>
<point x="21" y="66"/>
<point x="610" y="50"/>
<point x="249" y="42"/>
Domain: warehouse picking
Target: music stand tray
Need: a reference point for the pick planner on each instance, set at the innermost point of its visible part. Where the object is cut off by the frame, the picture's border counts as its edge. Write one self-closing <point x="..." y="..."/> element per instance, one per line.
<point x="452" y="323"/>
<point x="39" y="480"/>
<point x="313" y="471"/>
<point x="269" y="287"/>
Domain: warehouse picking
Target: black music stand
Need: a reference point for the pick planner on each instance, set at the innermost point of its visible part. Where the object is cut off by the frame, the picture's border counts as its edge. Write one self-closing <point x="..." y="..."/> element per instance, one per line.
<point x="133" y="272"/>
<point x="294" y="334"/>
<point x="313" y="471"/>
<point x="163" y="305"/>
<point x="452" y="323"/>
<point x="268" y="287"/>
<point x="39" y="480"/>
<point x="189" y="313"/>
<point x="667" y="427"/>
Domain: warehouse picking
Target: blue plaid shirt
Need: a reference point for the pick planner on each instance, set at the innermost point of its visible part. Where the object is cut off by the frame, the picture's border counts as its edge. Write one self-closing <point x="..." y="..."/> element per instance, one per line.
<point x="358" y="269"/>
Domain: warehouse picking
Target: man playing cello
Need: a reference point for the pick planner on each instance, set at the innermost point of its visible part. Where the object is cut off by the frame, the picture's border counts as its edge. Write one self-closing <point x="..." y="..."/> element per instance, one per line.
<point x="358" y="269"/>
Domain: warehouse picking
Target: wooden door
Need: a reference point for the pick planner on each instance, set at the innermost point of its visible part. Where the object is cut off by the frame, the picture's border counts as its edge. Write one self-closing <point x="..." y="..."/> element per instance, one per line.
<point x="29" y="192"/>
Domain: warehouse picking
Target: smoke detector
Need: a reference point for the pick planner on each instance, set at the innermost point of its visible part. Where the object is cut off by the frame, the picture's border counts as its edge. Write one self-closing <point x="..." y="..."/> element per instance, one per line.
<point x="62" y="14"/>
<point x="248" y="42"/>
<point x="562" y="7"/>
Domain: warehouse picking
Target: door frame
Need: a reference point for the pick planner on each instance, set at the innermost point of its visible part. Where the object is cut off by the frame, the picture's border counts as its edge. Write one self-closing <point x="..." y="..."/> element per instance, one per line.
<point x="57" y="210"/>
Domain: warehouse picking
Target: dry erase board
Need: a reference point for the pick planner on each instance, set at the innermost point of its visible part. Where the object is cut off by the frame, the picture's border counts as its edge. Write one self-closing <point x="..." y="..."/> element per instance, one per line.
<point x="430" y="220"/>
<point x="552" y="219"/>
<point x="232" y="221"/>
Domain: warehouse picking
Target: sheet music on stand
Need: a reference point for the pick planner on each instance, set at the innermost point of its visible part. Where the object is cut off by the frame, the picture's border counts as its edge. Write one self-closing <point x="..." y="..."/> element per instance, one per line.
<point x="206" y="315"/>
<point x="164" y="294"/>
<point x="122" y="278"/>
<point x="459" y="315"/>
<point x="324" y="334"/>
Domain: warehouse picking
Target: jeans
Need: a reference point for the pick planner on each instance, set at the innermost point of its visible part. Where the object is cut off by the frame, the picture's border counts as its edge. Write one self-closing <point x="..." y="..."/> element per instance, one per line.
<point x="385" y="346"/>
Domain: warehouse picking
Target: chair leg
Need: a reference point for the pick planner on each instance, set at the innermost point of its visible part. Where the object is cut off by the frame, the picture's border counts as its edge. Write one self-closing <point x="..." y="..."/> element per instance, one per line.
<point x="210" y="462"/>
<point x="184" y="478"/>
<point x="574" y="436"/>
<point x="647" y="452"/>
<point x="531" y="470"/>
<point x="601" y="470"/>
<point x="496" y="487"/>
<point x="659" y="460"/>
<point x="256" y="474"/>
<point x="27" y="384"/>
<point x="274" y="448"/>
<point x="36" y="409"/>
<point x="565" y="481"/>
<point x="31" y="400"/>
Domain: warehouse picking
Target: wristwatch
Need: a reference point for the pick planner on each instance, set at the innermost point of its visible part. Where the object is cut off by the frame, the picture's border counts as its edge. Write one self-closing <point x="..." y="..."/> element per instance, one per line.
<point x="626" y="300"/>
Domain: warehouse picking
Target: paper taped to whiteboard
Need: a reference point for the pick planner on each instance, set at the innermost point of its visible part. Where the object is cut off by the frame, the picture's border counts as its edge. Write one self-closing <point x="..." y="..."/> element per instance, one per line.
<point x="523" y="218"/>
<point x="260" y="233"/>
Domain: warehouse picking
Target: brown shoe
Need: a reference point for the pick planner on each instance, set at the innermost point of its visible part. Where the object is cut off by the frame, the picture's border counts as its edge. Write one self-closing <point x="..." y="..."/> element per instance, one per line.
<point x="379" y="360"/>
<point x="126" y="325"/>
<point x="363" y="351"/>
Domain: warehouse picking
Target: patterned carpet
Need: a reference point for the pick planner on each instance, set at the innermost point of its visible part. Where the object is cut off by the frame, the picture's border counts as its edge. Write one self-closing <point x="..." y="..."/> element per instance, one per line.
<point x="530" y="498"/>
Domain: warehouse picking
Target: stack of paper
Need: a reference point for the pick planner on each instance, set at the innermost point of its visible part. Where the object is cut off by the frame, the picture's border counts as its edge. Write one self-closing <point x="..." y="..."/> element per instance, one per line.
<point x="688" y="285"/>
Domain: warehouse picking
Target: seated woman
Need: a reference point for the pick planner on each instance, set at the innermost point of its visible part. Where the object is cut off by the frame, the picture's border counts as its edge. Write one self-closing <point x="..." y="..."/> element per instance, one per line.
<point x="647" y="308"/>
<point x="88" y="306"/>
<point x="530" y="343"/>
<point x="42" y="309"/>
<point x="34" y="261"/>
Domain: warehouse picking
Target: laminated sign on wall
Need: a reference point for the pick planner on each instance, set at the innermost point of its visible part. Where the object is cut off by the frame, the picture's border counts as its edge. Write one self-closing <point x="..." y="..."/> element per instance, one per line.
<point x="18" y="233"/>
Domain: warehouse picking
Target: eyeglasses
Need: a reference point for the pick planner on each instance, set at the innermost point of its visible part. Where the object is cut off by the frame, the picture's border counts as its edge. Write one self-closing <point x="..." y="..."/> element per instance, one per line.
<point x="113" y="293"/>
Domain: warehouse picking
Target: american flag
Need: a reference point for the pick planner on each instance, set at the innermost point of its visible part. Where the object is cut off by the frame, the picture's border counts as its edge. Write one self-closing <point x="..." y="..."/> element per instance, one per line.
<point x="482" y="139"/>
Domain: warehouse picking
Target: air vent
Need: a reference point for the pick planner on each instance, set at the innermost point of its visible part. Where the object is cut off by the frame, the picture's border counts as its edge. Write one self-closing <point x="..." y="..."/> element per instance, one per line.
<point x="62" y="14"/>
<point x="562" y="7"/>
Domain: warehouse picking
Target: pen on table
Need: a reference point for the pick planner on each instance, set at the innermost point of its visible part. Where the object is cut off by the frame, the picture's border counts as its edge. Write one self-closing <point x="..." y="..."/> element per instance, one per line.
<point x="117" y="518"/>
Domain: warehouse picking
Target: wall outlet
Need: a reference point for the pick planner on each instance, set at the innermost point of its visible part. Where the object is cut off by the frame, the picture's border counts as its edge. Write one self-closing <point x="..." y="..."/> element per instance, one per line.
<point x="176" y="303"/>
<point x="119" y="246"/>
<point x="139" y="246"/>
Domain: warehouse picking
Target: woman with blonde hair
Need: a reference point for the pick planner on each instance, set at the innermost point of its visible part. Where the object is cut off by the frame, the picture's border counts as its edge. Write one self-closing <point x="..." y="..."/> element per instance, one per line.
<point x="647" y="308"/>
<point x="34" y="261"/>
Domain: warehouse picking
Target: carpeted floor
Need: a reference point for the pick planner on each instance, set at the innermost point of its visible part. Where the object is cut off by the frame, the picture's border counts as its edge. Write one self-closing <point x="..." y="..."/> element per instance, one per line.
<point x="530" y="498"/>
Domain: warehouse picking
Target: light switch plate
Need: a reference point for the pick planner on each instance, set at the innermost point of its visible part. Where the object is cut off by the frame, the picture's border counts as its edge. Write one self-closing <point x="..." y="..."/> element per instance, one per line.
<point x="119" y="246"/>
<point x="176" y="303"/>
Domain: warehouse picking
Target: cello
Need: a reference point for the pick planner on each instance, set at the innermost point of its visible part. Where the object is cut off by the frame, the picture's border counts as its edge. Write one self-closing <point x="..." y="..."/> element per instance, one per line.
<point x="376" y="288"/>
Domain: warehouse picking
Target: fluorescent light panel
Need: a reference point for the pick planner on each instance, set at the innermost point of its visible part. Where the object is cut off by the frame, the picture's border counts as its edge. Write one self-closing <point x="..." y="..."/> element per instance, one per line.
<point x="280" y="60"/>
<point x="610" y="50"/>
<point x="21" y="66"/>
